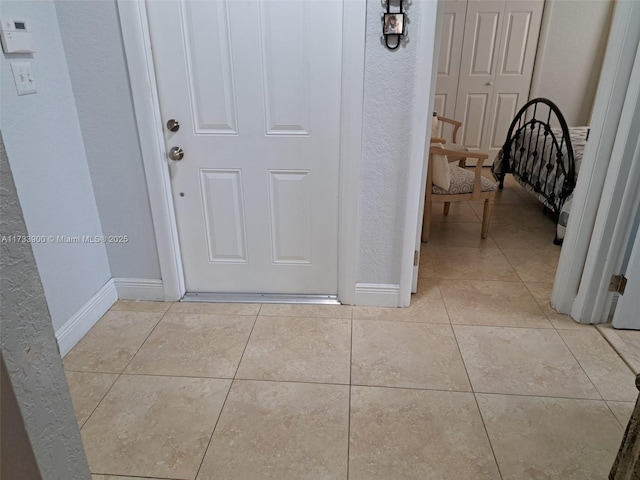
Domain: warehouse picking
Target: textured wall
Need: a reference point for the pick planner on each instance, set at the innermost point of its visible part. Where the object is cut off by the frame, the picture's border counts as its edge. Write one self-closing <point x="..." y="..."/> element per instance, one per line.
<point x="30" y="351"/>
<point x="43" y="139"/>
<point x="93" y="46"/>
<point x="18" y="460"/>
<point x="388" y="95"/>
<point x="573" y="40"/>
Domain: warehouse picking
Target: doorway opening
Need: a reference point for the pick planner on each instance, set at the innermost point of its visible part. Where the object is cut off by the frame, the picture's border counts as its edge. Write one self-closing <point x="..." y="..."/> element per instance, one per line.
<point x="494" y="56"/>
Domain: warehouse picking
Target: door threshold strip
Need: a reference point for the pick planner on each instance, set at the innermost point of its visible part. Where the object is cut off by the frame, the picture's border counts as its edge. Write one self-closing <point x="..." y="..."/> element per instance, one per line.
<point x="260" y="298"/>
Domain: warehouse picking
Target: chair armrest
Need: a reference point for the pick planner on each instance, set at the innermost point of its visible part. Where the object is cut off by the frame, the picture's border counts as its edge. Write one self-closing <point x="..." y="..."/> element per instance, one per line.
<point x="458" y="153"/>
<point x="456" y="125"/>
<point x="477" y="182"/>
<point x="450" y="120"/>
<point x="437" y="140"/>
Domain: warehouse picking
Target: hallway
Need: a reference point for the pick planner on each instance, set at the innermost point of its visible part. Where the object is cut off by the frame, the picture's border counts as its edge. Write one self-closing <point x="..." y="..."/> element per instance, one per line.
<point x="478" y="379"/>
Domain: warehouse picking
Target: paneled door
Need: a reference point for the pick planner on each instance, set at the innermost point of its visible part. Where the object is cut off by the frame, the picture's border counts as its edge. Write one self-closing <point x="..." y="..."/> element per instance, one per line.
<point x="498" y="54"/>
<point x="255" y="87"/>
<point x="451" y="37"/>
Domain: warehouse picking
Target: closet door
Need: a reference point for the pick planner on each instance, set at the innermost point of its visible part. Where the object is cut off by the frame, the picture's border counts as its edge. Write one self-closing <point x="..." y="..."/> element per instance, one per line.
<point x="498" y="54"/>
<point x="480" y="51"/>
<point x="449" y="58"/>
<point x="512" y="79"/>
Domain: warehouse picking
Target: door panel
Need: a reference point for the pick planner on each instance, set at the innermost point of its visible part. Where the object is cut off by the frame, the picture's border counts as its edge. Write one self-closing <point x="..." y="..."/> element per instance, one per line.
<point x="224" y="215"/>
<point x="290" y="213"/>
<point x="518" y="25"/>
<point x="209" y="67"/>
<point x="512" y="80"/>
<point x="285" y="72"/>
<point x="449" y="59"/>
<point x="474" y="114"/>
<point x="505" y="108"/>
<point x="485" y="39"/>
<point x="256" y="88"/>
<point x="449" y="48"/>
<point x="480" y="51"/>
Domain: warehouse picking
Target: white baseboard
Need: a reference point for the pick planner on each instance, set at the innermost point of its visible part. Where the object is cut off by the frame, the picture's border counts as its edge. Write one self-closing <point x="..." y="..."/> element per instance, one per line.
<point x="378" y="294"/>
<point x="81" y="322"/>
<point x="139" y="289"/>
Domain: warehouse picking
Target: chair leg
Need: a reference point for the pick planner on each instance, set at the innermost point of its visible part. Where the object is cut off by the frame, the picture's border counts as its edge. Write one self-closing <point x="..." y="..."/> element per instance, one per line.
<point x="486" y="217"/>
<point x="446" y="208"/>
<point x="426" y="222"/>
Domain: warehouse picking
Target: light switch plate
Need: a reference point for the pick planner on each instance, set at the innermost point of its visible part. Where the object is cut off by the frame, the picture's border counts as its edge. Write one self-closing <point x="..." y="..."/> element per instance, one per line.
<point x="22" y="75"/>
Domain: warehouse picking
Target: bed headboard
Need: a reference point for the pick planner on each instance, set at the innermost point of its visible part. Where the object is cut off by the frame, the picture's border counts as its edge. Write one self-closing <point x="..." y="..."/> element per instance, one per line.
<point x="538" y="151"/>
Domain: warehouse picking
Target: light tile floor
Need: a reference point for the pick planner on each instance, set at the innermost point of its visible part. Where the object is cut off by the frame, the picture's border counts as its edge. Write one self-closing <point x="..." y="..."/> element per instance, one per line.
<point x="478" y="379"/>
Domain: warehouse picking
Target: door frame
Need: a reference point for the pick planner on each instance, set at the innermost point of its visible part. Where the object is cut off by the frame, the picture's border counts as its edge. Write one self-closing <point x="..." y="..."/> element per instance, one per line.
<point x="137" y="46"/>
<point x="587" y="246"/>
<point x="617" y="210"/>
<point x="420" y="82"/>
<point x="590" y="241"/>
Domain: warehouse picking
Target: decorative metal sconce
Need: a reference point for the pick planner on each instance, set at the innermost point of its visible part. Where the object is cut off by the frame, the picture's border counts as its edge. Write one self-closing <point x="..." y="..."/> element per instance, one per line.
<point x="393" y="25"/>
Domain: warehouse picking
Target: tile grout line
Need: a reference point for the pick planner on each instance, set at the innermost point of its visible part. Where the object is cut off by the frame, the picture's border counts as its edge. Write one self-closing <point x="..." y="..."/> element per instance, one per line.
<point x="446" y="310"/>
<point x="527" y="289"/>
<point x="467" y="279"/>
<point x="136" y="476"/>
<point x="529" y="395"/>
<point x="516" y="270"/>
<point x="350" y="388"/>
<point x="606" y="402"/>
<point x="583" y="326"/>
<point x="204" y="455"/>
<point x="451" y="323"/>
<point x="125" y="367"/>
<point x="581" y="367"/>
<point x="486" y="432"/>
<point x="615" y="348"/>
<point x="507" y="258"/>
<point x="538" y="303"/>
<point x="402" y="387"/>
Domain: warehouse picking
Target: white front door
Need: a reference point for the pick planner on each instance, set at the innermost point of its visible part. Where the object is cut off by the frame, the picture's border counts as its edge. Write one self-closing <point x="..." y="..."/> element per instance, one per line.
<point x="498" y="54"/>
<point x="255" y="87"/>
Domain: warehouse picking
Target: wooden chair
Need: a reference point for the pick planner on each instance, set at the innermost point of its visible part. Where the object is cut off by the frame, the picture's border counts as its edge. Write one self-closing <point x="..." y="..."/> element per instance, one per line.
<point x="452" y="143"/>
<point x="466" y="185"/>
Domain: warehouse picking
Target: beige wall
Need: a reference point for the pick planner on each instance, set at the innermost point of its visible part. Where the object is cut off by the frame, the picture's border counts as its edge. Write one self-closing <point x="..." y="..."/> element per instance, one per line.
<point x="573" y="39"/>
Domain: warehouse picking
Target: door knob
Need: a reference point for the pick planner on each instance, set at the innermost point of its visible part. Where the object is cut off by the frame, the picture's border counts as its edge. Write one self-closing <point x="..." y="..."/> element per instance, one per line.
<point x="176" y="153"/>
<point x="489" y="84"/>
<point x="173" y="125"/>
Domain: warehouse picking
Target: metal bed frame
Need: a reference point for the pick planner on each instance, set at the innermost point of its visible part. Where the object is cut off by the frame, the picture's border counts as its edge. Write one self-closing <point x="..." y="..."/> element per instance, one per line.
<point x="520" y="154"/>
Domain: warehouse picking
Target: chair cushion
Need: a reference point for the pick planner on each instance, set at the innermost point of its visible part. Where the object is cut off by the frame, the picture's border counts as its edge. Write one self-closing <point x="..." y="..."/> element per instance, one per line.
<point x="462" y="182"/>
<point x="440" y="170"/>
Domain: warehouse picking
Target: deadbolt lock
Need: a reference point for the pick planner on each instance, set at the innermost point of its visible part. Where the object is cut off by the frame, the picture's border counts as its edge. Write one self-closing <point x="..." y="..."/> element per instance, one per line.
<point x="173" y="125"/>
<point x="176" y="153"/>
